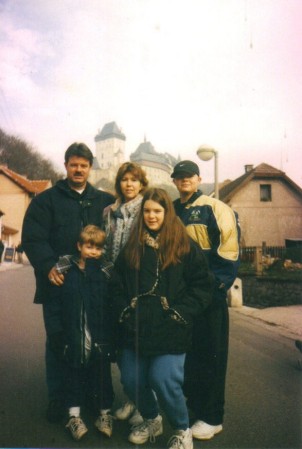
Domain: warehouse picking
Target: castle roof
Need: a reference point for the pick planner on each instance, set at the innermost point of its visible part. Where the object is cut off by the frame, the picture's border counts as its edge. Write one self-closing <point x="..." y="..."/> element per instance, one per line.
<point x="109" y="131"/>
<point x="147" y="153"/>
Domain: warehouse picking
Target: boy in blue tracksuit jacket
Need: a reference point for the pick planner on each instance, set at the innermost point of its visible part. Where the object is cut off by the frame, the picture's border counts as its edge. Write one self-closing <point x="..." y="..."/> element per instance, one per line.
<point x="79" y="326"/>
<point x="215" y="227"/>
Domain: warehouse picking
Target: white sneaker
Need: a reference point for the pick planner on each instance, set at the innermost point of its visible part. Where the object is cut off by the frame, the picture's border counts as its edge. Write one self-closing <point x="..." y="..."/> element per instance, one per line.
<point x="147" y="430"/>
<point x="77" y="427"/>
<point x="104" y="424"/>
<point x="203" y="431"/>
<point x="125" y="411"/>
<point x="136" y="418"/>
<point x="181" y="440"/>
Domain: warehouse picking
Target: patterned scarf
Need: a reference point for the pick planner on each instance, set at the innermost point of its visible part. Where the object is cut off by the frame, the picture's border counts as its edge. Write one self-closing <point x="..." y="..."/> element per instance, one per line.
<point x="124" y="216"/>
<point x="150" y="240"/>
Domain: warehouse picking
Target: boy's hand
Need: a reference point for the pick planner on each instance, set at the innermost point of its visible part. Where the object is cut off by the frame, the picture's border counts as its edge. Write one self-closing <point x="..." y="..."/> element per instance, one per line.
<point x="56" y="278"/>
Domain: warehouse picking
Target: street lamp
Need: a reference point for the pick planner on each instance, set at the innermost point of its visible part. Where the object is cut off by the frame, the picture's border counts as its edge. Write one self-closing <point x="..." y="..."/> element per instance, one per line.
<point x="205" y="153"/>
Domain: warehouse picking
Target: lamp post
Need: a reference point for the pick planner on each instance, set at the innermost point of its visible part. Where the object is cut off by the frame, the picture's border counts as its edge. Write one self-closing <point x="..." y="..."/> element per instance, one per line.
<point x="205" y="153"/>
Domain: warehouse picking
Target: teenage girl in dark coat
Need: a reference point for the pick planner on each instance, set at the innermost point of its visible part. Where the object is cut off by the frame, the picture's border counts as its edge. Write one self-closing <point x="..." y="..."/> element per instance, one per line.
<point x="164" y="284"/>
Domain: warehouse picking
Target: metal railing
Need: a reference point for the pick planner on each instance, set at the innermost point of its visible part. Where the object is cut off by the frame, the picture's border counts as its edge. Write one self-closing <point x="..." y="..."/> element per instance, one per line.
<point x="247" y="253"/>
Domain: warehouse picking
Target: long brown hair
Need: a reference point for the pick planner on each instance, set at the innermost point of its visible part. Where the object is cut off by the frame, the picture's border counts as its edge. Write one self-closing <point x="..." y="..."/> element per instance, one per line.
<point x="173" y="238"/>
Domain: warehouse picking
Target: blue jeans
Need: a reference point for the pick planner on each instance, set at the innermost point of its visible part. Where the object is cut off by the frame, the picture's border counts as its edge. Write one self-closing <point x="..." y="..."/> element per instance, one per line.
<point x="147" y="379"/>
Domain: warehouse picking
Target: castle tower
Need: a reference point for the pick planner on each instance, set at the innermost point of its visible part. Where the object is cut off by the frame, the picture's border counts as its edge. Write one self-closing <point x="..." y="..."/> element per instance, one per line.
<point x="110" y="146"/>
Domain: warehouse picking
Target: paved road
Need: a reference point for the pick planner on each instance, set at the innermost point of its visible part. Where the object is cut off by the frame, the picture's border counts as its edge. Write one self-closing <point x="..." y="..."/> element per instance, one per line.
<point x="264" y="391"/>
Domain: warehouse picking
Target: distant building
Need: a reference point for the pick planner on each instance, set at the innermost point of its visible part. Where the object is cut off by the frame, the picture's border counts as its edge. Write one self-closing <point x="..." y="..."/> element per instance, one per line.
<point x="16" y="193"/>
<point x="269" y="205"/>
<point x="110" y="154"/>
<point x="158" y="166"/>
<point x="110" y="146"/>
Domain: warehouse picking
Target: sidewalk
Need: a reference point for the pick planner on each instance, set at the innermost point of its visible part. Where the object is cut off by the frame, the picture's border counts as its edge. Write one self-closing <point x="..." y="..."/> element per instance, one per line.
<point x="11" y="266"/>
<point x="287" y="318"/>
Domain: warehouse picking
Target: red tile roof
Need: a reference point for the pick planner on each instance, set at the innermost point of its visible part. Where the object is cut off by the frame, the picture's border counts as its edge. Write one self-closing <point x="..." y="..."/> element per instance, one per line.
<point x="31" y="186"/>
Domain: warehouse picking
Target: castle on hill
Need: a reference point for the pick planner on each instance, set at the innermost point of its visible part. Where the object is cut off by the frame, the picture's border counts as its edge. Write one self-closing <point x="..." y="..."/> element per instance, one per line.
<point x="110" y="154"/>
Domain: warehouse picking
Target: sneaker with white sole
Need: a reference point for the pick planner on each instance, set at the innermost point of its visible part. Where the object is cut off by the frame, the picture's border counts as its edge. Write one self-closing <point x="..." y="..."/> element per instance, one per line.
<point x="77" y="427"/>
<point x="104" y="424"/>
<point x="182" y="439"/>
<point x="203" y="431"/>
<point x="125" y="411"/>
<point x="136" y="418"/>
<point x="147" y="430"/>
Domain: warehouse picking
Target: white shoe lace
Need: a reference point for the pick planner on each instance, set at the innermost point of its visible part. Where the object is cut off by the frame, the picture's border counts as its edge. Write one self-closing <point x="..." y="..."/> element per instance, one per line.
<point x="106" y="420"/>
<point x="175" y="442"/>
<point x="146" y="425"/>
<point x="76" y="425"/>
<point x="151" y="429"/>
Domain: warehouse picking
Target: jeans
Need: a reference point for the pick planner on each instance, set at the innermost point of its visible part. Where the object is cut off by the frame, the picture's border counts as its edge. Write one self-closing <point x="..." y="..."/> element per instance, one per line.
<point x="148" y="378"/>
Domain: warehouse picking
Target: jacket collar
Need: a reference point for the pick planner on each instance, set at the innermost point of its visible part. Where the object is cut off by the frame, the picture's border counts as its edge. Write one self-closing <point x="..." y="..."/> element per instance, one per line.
<point x="89" y="192"/>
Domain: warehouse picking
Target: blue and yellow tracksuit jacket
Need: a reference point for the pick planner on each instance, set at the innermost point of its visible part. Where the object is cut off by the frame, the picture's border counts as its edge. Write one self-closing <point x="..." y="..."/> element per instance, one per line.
<point x="215" y="227"/>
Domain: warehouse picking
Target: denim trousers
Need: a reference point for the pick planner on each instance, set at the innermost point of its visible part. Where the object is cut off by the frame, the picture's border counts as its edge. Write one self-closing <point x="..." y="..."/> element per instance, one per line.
<point x="147" y="379"/>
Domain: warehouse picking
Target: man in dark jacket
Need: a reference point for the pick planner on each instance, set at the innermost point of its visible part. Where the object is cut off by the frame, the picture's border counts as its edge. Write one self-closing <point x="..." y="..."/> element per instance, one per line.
<point x="214" y="226"/>
<point x="51" y="227"/>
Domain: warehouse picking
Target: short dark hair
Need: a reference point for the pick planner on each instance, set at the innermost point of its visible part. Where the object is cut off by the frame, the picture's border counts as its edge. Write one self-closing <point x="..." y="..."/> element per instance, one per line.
<point x="79" y="150"/>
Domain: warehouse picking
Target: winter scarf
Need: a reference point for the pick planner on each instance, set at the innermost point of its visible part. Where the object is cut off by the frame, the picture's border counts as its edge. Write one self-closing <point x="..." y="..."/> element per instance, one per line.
<point x="119" y="221"/>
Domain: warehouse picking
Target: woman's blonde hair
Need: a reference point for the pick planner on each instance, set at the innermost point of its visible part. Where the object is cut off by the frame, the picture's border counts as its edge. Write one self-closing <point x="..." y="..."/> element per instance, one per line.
<point x="136" y="170"/>
<point x="173" y="238"/>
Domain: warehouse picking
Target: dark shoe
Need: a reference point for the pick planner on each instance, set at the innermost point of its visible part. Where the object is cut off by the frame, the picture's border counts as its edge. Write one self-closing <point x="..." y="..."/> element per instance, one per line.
<point x="55" y="411"/>
<point x="298" y="344"/>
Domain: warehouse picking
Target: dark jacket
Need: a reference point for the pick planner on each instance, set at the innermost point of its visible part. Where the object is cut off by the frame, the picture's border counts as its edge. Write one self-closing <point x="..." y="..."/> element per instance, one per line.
<point x="52" y="225"/>
<point x="162" y="323"/>
<point x="83" y="300"/>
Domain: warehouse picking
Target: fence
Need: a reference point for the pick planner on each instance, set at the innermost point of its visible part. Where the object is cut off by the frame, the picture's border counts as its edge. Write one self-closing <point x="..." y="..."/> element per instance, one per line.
<point x="247" y="253"/>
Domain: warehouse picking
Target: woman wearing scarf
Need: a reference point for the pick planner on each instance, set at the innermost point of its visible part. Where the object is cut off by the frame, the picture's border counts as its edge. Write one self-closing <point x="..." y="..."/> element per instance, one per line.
<point x="119" y="218"/>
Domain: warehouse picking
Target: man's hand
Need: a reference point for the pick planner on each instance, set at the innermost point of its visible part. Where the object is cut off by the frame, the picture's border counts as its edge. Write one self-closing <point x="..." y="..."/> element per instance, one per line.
<point x="56" y="278"/>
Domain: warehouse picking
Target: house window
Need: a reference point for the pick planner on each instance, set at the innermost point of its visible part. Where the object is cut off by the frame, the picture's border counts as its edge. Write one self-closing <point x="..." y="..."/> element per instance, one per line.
<point x="265" y="192"/>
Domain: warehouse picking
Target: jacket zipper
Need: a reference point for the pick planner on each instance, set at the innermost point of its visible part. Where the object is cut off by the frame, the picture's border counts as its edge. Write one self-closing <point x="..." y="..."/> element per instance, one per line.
<point x="82" y="335"/>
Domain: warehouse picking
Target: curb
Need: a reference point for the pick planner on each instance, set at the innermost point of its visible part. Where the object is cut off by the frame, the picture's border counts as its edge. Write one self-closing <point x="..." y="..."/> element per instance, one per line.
<point x="4" y="266"/>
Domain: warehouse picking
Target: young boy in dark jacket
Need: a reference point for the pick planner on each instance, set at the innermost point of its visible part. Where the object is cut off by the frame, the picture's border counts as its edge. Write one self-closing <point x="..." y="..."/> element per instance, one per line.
<point x="79" y="326"/>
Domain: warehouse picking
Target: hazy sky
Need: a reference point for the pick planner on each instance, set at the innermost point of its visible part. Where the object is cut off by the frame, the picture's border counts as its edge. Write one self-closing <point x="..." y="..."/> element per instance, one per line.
<point x="183" y="73"/>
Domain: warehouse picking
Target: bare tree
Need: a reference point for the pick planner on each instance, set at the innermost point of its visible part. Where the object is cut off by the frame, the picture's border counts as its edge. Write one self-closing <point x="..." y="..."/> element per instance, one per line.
<point x="22" y="158"/>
